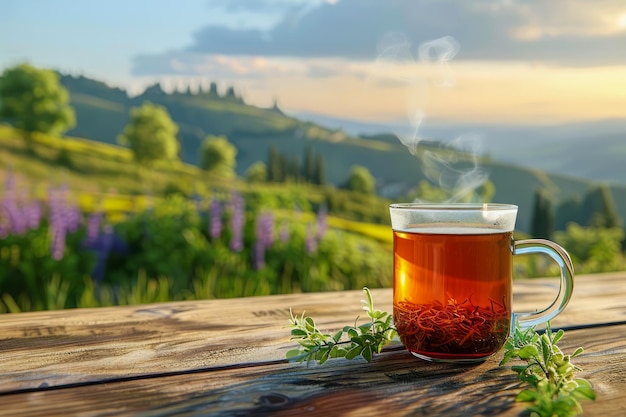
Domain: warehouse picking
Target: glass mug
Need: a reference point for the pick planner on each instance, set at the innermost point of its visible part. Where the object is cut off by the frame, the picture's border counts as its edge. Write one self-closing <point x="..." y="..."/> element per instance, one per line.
<point x="452" y="280"/>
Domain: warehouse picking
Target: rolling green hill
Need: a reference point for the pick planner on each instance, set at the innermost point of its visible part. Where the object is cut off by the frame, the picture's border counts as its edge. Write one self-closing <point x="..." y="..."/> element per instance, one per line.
<point x="102" y="113"/>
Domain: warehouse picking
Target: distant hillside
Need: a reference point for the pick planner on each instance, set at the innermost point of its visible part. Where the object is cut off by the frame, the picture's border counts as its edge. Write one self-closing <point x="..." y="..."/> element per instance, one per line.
<point x="102" y="113"/>
<point x="600" y="157"/>
<point x="594" y="150"/>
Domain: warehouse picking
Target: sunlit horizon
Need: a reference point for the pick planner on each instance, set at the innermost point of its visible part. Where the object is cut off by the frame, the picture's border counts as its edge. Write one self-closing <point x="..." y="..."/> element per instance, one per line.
<point x="512" y="63"/>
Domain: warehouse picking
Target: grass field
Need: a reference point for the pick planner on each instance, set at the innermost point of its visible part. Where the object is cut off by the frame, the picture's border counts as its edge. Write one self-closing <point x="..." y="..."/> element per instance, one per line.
<point x="105" y="177"/>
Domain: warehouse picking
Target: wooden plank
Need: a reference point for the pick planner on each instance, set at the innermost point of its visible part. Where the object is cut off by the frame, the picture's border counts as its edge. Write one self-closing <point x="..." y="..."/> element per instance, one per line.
<point x="395" y="384"/>
<point x="76" y="346"/>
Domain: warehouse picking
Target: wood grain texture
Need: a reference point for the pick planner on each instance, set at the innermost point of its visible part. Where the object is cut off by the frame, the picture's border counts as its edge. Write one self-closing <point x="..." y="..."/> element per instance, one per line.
<point x="394" y="384"/>
<point x="225" y="357"/>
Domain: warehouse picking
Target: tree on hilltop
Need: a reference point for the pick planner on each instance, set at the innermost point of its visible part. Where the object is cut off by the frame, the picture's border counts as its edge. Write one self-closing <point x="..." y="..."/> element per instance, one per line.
<point x="151" y="134"/>
<point x="257" y="172"/>
<point x="231" y="94"/>
<point x="361" y="180"/>
<point x="218" y="156"/>
<point x="34" y="101"/>
<point x="213" y="89"/>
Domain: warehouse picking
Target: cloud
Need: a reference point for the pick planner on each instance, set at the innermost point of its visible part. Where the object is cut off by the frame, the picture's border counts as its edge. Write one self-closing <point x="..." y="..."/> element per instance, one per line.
<point x="556" y="32"/>
<point x="222" y="66"/>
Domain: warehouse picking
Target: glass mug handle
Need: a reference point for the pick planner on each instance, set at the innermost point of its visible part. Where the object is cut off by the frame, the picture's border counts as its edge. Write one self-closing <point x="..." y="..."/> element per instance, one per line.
<point x="562" y="258"/>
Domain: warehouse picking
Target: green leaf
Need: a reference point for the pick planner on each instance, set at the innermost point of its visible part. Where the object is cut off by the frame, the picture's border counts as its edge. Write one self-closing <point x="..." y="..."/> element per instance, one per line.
<point x="340" y="352"/>
<point x="545" y="348"/>
<point x="354" y="352"/>
<point x="527" y="395"/>
<point x="528" y="352"/>
<point x="508" y="355"/>
<point x="352" y="332"/>
<point x="584" y="393"/>
<point x="323" y="357"/>
<point x="370" y="300"/>
<point x="293" y="353"/>
<point x="519" y="368"/>
<point x="307" y="343"/>
<point x="337" y="336"/>
<point x="357" y="339"/>
<point x="309" y="323"/>
<point x="298" y="333"/>
<point x="367" y="353"/>
<point x="569" y="386"/>
<point x="365" y="328"/>
<point x="558" y="336"/>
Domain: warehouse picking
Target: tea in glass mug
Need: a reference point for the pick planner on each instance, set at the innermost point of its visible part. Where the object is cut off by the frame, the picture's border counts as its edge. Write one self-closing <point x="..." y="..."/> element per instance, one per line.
<point x="452" y="280"/>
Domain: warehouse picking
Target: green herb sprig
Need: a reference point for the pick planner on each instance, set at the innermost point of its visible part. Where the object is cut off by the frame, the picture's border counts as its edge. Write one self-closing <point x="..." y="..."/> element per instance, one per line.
<point x="350" y="342"/>
<point x="554" y="390"/>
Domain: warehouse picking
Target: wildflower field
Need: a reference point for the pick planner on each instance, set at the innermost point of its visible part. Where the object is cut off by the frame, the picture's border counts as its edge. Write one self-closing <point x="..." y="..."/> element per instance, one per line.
<point x="56" y="254"/>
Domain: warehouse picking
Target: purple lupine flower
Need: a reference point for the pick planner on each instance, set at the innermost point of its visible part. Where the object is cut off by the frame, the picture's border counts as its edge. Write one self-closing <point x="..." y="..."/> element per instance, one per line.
<point x="258" y="256"/>
<point x="33" y="214"/>
<point x="322" y="222"/>
<point x="94" y="222"/>
<point x="58" y="243"/>
<point x="23" y="203"/>
<point x="15" y="220"/>
<point x="264" y="233"/>
<point x="102" y="248"/>
<point x="64" y="219"/>
<point x="102" y="244"/>
<point x="237" y="222"/>
<point x="73" y="217"/>
<point x="310" y="241"/>
<point x="215" y="219"/>
<point x="283" y="233"/>
<point x="58" y="229"/>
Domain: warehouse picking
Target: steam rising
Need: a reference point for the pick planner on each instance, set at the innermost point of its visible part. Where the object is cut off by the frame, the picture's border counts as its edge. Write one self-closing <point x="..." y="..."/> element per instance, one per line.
<point x="453" y="166"/>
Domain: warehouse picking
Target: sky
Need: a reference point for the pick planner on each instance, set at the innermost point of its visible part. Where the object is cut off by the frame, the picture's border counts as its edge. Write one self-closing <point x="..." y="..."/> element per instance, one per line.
<point x="479" y="61"/>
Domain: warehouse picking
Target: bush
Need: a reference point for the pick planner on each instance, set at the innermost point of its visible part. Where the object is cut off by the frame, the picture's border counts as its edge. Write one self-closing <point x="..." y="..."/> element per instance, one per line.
<point x="179" y="249"/>
<point x="593" y="249"/>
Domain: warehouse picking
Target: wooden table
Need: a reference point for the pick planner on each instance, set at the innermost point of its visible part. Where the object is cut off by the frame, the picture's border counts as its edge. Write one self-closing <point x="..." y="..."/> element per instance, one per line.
<point x="226" y="358"/>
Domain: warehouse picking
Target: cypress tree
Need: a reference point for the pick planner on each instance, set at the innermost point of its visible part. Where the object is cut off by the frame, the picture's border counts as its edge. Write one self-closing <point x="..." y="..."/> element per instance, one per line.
<point x="308" y="171"/>
<point x="599" y="208"/>
<point x="295" y="172"/>
<point x="543" y="218"/>
<point x="568" y="212"/>
<point x="274" y="167"/>
<point x="284" y="167"/>
<point x="320" y="171"/>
